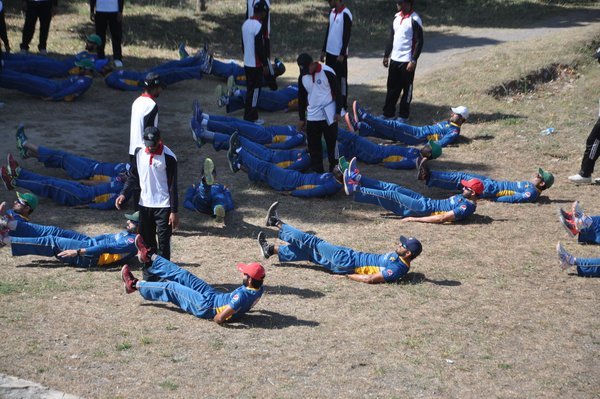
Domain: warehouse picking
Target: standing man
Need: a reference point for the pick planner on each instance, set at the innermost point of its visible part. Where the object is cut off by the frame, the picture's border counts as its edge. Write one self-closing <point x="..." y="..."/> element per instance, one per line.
<point x="255" y="59"/>
<point x="43" y="10"/>
<point x="592" y="150"/>
<point x="144" y="113"/>
<point x="155" y="173"/>
<point x="403" y="47"/>
<point x="109" y="13"/>
<point x="335" y="46"/>
<point x="319" y="105"/>
<point x="266" y="26"/>
<point x="3" y="34"/>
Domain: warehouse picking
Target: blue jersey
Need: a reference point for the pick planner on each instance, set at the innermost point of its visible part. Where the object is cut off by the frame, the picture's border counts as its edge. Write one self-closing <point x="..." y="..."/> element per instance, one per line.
<point x="443" y="132"/>
<point x="204" y="198"/>
<point x="458" y="204"/>
<point x="510" y="191"/>
<point x="241" y="300"/>
<point x="390" y="265"/>
<point x="15" y="216"/>
<point x="110" y="248"/>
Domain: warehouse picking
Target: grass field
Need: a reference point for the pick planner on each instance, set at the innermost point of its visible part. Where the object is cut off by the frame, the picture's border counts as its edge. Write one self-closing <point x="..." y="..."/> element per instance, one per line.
<point x="485" y="311"/>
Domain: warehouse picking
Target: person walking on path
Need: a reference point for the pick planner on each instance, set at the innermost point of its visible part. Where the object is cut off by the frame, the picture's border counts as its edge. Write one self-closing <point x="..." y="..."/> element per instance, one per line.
<point x="400" y="57"/>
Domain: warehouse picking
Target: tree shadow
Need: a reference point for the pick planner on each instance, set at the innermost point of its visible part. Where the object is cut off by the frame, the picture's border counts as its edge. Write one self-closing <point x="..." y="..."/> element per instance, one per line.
<point x="420" y="278"/>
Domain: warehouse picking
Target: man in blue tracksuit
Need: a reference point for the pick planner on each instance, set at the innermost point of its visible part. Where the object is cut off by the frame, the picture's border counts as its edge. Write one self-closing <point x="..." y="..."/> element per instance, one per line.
<point x="170" y="73"/>
<point x="225" y="69"/>
<point x="299" y="184"/>
<point x="94" y="194"/>
<point x="412" y="206"/>
<point x="207" y="196"/>
<point x="351" y="145"/>
<point x="85" y="62"/>
<point x="270" y="101"/>
<point x="78" y="168"/>
<point x="47" y="89"/>
<point x="22" y="208"/>
<point x="191" y="293"/>
<point x="513" y="192"/>
<point x="276" y="137"/>
<point x="357" y="266"/>
<point x="443" y="133"/>
<point x="69" y="246"/>
<point x="586" y="267"/>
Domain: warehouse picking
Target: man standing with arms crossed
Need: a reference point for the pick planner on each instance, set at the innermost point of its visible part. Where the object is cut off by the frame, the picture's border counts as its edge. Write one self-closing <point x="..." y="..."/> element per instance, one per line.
<point x="155" y="173"/>
<point x="335" y="47"/>
<point x="403" y="47"/>
<point x="319" y="105"/>
<point x="255" y="59"/>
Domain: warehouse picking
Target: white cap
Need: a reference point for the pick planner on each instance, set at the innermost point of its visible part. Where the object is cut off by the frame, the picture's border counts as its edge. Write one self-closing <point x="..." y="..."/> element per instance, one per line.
<point x="462" y="111"/>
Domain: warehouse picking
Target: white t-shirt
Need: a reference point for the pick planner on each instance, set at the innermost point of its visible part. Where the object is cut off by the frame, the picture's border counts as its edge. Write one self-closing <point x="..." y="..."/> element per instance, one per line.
<point x="250" y="29"/>
<point x="250" y="13"/>
<point x="319" y="94"/>
<point x="153" y="178"/>
<point x="336" y="31"/>
<point x="144" y="113"/>
<point x="403" y="37"/>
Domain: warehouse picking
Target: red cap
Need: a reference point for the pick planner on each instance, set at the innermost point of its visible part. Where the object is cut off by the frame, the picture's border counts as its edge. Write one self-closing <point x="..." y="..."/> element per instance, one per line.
<point x="474" y="184"/>
<point x="254" y="270"/>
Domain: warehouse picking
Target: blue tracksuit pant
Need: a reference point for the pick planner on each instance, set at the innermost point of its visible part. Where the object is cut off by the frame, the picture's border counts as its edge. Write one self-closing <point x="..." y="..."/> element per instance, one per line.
<point x="64" y="192"/>
<point x="269" y="101"/>
<point x="592" y="233"/>
<point x="78" y="168"/>
<point x="392" y="197"/>
<point x="46" y="88"/>
<point x="391" y="156"/>
<point x="304" y="246"/>
<point x="190" y="293"/>
<point x="281" y="137"/>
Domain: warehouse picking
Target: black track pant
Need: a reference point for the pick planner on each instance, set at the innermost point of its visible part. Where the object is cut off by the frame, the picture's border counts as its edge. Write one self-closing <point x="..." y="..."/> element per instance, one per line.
<point x="253" y="84"/>
<point x="109" y="20"/>
<point x="591" y="152"/>
<point x="154" y="223"/>
<point x="314" y="131"/>
<point x="41" y="10"/>
<point x="399" y="81"/>
<point x="341" y="71"/>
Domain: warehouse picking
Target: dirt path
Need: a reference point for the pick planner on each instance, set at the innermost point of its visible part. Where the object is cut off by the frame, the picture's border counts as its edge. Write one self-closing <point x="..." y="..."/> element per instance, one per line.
<point x="460" y="45"/>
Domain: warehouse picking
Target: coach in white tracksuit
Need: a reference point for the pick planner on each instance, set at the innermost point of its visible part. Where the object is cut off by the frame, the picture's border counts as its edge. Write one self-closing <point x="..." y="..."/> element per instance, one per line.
<point x="255" y="59"/>
<point x="319" y="105"/>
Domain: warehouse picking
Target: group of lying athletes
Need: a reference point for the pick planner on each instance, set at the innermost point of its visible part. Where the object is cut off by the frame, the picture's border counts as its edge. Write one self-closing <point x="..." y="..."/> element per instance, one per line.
<point x="280" y="166"/>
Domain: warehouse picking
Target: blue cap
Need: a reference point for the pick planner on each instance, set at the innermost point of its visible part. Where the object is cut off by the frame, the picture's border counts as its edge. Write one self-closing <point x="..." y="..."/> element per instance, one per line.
<point x="412" y="244"/>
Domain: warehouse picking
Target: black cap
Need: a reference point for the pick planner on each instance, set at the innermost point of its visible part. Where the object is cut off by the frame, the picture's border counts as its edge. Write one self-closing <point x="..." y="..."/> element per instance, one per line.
<point x="303" y="61"/>
<point x="261" y="6"/>
<point x="152" y="80"/>
<point x="151" y="136"/>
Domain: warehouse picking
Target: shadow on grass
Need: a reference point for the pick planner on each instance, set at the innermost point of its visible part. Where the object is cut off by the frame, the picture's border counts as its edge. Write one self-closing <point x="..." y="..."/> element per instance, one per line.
<point x="420" y="278"/>
<point x="545" y="200"/>
<point x="269" y="320"/>
<point x="276" y="290"/>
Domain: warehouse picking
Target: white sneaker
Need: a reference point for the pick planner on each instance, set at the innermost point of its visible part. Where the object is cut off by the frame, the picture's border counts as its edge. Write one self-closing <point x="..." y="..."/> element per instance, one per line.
<point x="259" y="122"/>
<point x="402" y="120"/>
<point x="43" y="52"/>
<point x="597" y="180"/>
<point x="578" y="179"/>
<point x="118" y="63"/>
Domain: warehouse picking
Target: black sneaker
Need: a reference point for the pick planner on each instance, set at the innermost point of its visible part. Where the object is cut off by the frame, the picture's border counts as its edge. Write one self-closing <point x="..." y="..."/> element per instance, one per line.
<point x="232" y="155"/>
<point x="272" y="218"/>
<point x="265" y="248"/>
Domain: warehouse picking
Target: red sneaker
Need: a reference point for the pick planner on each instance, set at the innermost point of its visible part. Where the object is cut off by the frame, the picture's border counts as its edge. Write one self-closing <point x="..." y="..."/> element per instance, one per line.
<point x="129" y="281"/>
<point x="143" y="251"/>
<point x="12" y="165"/>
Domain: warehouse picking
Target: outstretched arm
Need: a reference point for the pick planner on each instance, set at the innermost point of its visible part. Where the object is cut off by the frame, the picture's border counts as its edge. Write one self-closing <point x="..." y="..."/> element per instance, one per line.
<point x="445" y="217"/>
<point x="367" y="278"/>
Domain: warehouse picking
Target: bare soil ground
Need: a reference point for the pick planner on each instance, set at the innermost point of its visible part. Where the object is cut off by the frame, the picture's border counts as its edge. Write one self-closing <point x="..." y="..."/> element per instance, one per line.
<point x="485" y="311"/>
